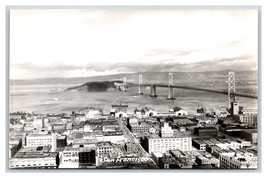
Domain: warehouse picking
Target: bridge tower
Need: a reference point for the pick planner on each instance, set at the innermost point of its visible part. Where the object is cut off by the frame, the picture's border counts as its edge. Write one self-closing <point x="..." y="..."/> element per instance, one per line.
<point x="140" y="85"/>
<point x="153" y="91"/>
<point x="231" y="88"/>
<point x="124" y="84"/>
<point x="171" y="92"/>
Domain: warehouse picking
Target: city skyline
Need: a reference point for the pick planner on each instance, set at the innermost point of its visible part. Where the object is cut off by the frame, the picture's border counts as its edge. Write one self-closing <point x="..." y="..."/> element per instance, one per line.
<point x="188" y="98"/>
<point x="83" y="43"/>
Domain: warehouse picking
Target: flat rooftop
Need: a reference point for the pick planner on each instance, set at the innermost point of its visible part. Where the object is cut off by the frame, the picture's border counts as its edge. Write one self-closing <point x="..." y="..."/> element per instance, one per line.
<point x="112" y="133"/>
<point x="39" y="134"/>
<point x="35" y="149"/>
<point x="61" y="137"/>
<point x="154" y="136"/>
<point x="30" y="155"/>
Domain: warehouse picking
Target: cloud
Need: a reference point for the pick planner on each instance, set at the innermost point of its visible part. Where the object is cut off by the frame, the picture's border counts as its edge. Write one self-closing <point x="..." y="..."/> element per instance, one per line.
<point x="71" y="43"/>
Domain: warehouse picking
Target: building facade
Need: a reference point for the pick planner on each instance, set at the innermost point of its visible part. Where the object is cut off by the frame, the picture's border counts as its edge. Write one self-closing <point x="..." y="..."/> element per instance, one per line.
<point x="165" y="144"/>
<point x="42" y="139"/>
<point x="233" y="162"/>
<point x="166" y="131"/>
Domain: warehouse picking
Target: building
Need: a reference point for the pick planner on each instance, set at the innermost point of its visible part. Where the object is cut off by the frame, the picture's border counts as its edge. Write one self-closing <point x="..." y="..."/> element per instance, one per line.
<point x="174" y="163"/>
<point x="246" y="111"/>
<point x="16" y="127"/>
<point x="149" y="112"/>
<point x="70" y="157"/>
<point x="131" y="147"/>
<point x="92" y="113"/>
<point x="199" y="144"/>
<point x="35" y="157"/>
<point x="166" y="131"/>
<point x="59" y="128"/>
<point x="181" y="112"/>
<point x="119" y="112"/>
<point x="104" y="148"/>
<point x="111" y="126"/>
<point x="88" y="114"/>
<point x="206" y="131"/>
<point x="69" y="126"/>
<point x="87" y="157"/>
<point x="61" y="141"/>
<point x="201" y="160"/>
<point x="250" y="119"/>
<point x="238" y="162"/>
<point x="38" y="123"/>
<point x="235" y="108"/>
<point x="17" y="115"/>
<point x="250" y="135"/>
<point x="14" y="145"/>
<point x="114" y="137"/>
<point x="139" y="128"/>
<point x="88" y="128"/>
<point x="18" y="135"/>
<point x="41" y="139"/>
<point x="154" y="143"/>
<point x="145" y="112"/>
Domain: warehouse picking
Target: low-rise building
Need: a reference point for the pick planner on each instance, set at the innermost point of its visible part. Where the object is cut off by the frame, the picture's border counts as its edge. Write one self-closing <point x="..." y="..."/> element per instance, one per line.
<point x="206" y="131"/>
<point x="250" y="119"/>
<point x="42" y="139"/>
<point x="250" y="135"/>
<point x="238" y="162"/>
<point x="174" y="163"/>
<point x="70" y="157"/>
<point x="199" y="144"/>
<point x="35" y="157"/>
<point x="114" y="137"/>
<point x="201" y="160"/>
<point x="91" y="113"/>
<point x="14" y="145"/>
<point x="131" y="147"/>
<point x="140" y="128"/>
<point x="104" y="148"/>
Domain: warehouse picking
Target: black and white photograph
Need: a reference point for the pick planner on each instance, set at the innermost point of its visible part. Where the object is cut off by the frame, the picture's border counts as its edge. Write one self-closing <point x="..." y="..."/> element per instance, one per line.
<point x="133" y="87"/>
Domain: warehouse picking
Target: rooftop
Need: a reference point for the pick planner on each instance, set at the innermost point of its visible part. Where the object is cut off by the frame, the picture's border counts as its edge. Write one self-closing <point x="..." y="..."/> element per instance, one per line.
<point x="86" y="149"/>
<point x="39" y="134"/>
<point x="70" y="148"/>
<point x="35" y="155"/>
<point x="112" y="133"/>
<point x="250" y="130"/>
<point x="154" y="136"/>
<point x="43" y="149"/>
<point x="62" y="137"/>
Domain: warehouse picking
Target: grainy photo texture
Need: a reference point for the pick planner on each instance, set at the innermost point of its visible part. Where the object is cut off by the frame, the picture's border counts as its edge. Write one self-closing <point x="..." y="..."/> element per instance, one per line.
<point x="133" y="88"/>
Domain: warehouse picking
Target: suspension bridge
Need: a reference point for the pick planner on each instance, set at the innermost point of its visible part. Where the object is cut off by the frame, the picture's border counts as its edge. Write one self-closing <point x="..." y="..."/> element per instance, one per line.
<point x="231" y="93"/>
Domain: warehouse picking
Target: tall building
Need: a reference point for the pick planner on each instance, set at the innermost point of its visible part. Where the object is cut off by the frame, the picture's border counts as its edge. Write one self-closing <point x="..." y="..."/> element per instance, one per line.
<point x="235" y="108"/>
<point x="61" y="141"/>
<point x="166" y="131"/>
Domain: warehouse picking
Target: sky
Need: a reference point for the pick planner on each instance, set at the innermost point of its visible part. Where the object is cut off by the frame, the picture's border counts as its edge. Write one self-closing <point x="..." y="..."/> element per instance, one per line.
<point x="90" y="42"/>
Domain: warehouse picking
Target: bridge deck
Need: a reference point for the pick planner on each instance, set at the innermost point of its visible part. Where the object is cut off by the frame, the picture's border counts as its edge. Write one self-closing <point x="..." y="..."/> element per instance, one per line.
<point x="200" y="89"/>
